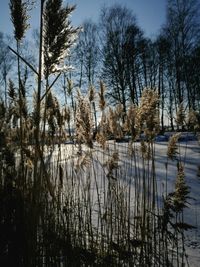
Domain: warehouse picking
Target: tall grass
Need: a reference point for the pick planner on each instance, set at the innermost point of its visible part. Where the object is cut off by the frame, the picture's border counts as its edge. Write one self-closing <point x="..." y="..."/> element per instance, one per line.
<point x="98" y="204"/>
<point x="91" y="203"/>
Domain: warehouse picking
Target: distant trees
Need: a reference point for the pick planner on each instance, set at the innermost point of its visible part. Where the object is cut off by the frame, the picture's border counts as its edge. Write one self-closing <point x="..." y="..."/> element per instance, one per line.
<point x="6" y="60"/>
<point x="181" y="31"/>
<point x="193" y="77"/>
<point x="116" y="50"/>
<point x="127" y="61"/>
<point x="131" y="49"/>
<point x="162" y="48"/>
<point x="120" y="50"/>
<point x="86" y="54"/>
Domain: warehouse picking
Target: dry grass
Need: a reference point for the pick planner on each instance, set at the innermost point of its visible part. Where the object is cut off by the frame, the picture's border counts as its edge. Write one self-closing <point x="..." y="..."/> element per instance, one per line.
<point x="91" y="203"/>
<point x="95" y="208"/>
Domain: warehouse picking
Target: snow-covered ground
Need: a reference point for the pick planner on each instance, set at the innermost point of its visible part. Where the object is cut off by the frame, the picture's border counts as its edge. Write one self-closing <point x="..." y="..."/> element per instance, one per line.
<point x="189" y="152"/>
<point x="189" y="155"/>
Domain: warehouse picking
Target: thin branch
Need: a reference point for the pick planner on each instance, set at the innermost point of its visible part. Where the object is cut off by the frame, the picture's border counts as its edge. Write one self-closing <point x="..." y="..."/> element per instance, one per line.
<point x="49" y="88"/>
<point x="28" y="64"/>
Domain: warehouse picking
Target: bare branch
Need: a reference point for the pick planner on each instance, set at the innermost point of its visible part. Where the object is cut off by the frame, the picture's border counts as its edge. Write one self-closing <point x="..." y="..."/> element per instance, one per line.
<point x="24" y="60"/>
<point x="49" y="88"/>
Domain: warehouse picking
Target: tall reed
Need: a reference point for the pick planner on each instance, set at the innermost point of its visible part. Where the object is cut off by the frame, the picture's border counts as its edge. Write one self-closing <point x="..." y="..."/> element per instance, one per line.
<point x="96" y="200"/>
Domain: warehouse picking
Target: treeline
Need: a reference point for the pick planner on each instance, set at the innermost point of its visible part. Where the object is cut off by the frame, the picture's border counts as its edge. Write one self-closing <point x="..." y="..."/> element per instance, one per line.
<point x="116" y="51"/>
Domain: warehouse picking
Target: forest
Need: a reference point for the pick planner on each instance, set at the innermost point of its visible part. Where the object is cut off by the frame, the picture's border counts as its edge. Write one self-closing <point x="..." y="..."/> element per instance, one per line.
<point x="99" y="138"/>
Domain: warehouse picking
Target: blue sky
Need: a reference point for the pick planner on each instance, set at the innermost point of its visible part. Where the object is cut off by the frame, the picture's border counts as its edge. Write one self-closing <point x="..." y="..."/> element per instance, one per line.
<point x="150" y="14"/>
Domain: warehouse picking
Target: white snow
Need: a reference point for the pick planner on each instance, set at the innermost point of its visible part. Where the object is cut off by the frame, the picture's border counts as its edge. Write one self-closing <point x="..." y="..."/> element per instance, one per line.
<point x="189" y="155"/>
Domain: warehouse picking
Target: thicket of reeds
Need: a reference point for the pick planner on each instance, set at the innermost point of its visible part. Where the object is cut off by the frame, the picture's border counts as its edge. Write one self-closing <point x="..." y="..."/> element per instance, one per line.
<point x="93" y="202"/>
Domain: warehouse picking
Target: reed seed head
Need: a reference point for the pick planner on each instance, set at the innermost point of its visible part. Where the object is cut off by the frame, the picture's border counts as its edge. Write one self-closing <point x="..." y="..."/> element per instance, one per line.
<point x="91" y="93"/>
<point x="102" y="102"/>
<point x="130" y="122"/>
<point x="84" y="122"/>
<point x="147" y="118"/>
<point x="181" y="189"/>
<point x="172" y="146"/>
<point x="112" y="163"/>
<point x="145" y="150"/>
<point x="58" y="34"/>
<point x="103" y="132"/>
<point x="19" y="17"/>
<point x="115" y="128"/>
<point x="193" y="119"/>
<point x="180" y="116"/>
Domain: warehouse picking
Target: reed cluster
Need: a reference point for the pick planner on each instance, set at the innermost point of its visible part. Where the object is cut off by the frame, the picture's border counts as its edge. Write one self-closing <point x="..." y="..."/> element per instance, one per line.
<point x="99" y="207"/>
<point x="93" y="202"/>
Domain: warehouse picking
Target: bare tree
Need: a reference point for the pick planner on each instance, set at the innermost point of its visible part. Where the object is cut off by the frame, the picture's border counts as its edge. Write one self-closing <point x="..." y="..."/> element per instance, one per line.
<point x="121" y="50"/>
<point x="6" y="61"/>
<point x="163" y="51"/>
<point x="86" y="54"/>
<point x="182" y="29"/>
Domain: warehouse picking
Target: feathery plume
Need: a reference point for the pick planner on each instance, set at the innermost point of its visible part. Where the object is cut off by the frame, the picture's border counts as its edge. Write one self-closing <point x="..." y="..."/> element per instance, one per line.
<point x="84" y="123"/>
<point x="91" y="93"/>
<point x="147" y="118"/>
<point x="112" y="163"/>
<point x="102" y="134"/>
<point x="114" y="124"/>
<point x="130" y="122"/>
<point x="59" y="35"/>
<point x="11" y="90"/>
<point x="192" y="120"/>
<point x="181" y="189"/>
<point x="19" y="17"/>
<point x="172" y="146"/>
<point x="145" y="150"/>
<point x="102" y="102"/>
<point x="180" y="116"/>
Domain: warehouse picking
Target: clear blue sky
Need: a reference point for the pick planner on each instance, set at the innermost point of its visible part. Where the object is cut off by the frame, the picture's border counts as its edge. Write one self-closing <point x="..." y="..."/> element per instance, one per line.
<point x="150" y="14"/>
